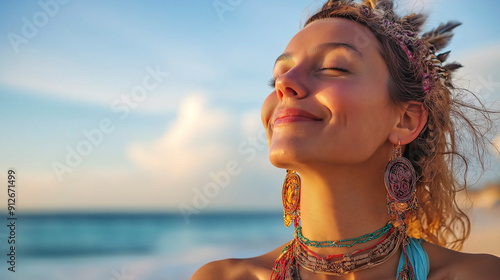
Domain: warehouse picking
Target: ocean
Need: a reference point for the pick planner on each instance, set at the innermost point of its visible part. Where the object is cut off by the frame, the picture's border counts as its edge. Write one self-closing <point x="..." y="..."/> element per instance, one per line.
<point x="121" y="246"/>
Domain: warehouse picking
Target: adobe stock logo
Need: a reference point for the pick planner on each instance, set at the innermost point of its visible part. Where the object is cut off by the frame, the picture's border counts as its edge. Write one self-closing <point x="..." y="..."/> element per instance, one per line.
<point x="40" y="19"/>
<point x="223" y="6"/>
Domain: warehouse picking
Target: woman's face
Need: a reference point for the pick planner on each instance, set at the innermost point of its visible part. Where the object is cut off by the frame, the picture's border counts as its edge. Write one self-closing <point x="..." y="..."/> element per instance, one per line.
<point x="330" y="103"/>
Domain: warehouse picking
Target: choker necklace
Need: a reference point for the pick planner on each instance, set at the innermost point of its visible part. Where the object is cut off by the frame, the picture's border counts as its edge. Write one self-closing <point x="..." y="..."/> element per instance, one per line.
<point x="339" y="243"/>
<point x="297" y="253"/>
<point x="339" y="265"/>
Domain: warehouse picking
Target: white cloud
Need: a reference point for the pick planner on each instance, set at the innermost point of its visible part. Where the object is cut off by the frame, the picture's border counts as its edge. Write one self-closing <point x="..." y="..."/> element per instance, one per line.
<point x="196" y="139"/>
<point x="251" y="123"/>
<point x="481" y="72"/>
<point x="201" y="141"/>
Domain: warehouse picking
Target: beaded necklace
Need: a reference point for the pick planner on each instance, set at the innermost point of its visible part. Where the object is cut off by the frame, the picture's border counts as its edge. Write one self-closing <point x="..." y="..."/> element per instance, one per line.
<point x="357" y="240"/>
<point x="297" y="253"/>
<point x="342" y="264"/>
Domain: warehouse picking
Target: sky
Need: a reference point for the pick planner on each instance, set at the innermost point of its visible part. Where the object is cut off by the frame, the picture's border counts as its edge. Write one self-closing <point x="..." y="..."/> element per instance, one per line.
<point x="155" y="105"/>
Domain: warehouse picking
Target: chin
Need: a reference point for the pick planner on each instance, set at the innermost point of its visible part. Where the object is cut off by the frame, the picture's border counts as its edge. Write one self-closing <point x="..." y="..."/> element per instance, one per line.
<point x="286" y="158"/>
<point x="279" y="162"/>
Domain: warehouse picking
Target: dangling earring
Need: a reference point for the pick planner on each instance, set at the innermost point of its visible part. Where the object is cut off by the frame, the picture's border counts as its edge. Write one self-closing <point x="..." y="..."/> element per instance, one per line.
<point x="291" y="198"/>
<point x="400" y="182"/>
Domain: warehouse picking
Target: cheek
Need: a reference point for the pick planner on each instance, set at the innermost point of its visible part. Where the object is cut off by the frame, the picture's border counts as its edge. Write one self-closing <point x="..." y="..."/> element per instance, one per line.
<point x="369" y="116"/>
<point x="342" y="100"/>
<point x="268" y="108"/>
<point x="358" y="109"/>
<point x="267" y="111"/>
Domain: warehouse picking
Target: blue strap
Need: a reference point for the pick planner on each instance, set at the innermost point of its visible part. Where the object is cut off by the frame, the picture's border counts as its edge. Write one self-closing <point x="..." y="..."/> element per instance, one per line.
<point x="418" y="258"/>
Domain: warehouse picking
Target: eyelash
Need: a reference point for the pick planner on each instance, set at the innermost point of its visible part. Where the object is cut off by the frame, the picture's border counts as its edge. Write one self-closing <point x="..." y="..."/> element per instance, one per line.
<point x="272" y="81"/>
<point x="335" y="68"/>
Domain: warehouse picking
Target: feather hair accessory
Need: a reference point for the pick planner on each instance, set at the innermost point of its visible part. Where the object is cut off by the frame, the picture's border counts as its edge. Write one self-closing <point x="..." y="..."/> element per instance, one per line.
<point x="436" y="40"/>
<point x="430" y="42"/>
<point x="421" y="50"/>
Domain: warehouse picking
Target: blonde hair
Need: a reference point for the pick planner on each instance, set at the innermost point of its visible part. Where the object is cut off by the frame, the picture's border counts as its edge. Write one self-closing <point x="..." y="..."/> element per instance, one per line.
<point x="434" y="153"/>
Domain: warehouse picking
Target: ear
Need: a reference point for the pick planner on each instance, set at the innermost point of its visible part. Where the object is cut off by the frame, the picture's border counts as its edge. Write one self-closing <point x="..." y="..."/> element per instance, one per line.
<point x="412" y="119"/>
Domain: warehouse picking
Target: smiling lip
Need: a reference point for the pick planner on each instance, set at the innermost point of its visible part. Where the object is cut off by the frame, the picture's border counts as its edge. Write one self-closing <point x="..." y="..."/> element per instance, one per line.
<point x="291" y="115"/>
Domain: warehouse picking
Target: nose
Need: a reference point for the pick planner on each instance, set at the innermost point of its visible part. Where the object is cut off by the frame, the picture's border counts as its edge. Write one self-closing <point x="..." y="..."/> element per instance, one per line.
<point x="290" y="85"/>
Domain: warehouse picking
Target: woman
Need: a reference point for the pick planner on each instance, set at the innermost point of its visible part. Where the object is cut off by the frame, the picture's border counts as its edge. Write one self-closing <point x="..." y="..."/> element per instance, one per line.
<point x="364" y="110"/>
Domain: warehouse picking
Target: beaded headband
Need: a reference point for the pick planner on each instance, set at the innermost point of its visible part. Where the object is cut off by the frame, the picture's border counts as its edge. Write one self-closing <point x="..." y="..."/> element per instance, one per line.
<point x="415" y="46"/>
<point x="434" y="70"/>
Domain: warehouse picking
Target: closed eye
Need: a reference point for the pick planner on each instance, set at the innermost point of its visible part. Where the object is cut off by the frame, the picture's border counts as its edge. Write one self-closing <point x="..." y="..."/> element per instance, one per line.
<point x="272" y="81"/>
<point x="335" y="69"/>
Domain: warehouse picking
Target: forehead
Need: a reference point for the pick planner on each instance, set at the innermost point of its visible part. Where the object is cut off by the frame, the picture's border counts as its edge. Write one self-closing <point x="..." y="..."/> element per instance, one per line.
<point x="334" y="30"/>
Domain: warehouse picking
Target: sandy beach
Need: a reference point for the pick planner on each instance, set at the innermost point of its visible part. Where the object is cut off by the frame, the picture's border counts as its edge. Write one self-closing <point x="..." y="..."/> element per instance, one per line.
<point x="485" y="232"/>
<point x="485" y="220"/>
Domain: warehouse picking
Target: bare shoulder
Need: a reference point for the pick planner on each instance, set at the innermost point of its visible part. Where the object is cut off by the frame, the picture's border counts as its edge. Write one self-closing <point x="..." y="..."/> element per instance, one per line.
<point x="449" y="264"/>
<point x="257" y="268"/>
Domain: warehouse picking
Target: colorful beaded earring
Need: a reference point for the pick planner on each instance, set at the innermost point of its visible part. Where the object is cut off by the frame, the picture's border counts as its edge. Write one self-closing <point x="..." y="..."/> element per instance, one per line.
<point x="291" y="197"/>
<point x="400" y="181"/>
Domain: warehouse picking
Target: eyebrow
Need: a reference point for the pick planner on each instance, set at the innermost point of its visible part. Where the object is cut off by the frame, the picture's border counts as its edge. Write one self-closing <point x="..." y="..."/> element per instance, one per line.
<point x="336" y="45"/>
<point x="283" y="57"/>
<point x="323" y="48"/>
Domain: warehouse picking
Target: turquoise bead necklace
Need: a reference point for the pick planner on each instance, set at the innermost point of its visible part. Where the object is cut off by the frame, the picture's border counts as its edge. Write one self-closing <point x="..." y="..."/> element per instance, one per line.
<point x="343" y="242"/>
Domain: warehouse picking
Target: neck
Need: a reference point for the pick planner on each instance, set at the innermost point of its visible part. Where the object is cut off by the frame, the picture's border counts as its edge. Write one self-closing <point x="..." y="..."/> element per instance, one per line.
<point x="342" y="202"/>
